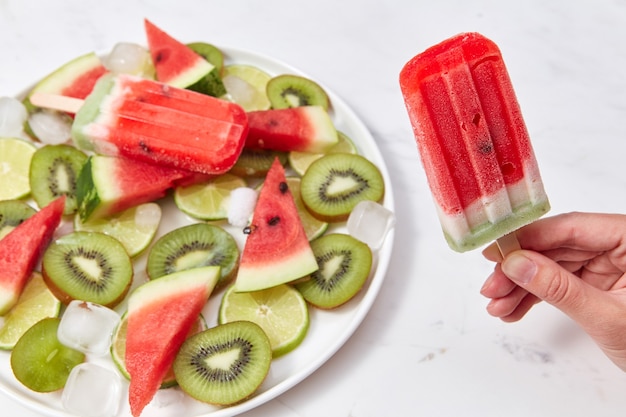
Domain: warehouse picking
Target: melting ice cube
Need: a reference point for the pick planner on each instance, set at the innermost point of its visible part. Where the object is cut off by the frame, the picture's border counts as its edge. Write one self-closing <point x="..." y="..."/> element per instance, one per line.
<point x="166" y="403"/>
<point x="88" y="327"/>
<point x="92" y="391"/>
<point x="241" y="205"/>
<point x="13" y="114"/>
<point x="370" y="222"/>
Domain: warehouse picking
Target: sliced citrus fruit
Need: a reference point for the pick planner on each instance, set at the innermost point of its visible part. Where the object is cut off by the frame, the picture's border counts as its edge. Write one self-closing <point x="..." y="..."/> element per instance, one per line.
<point x="280" y="311"/>
<point x="118" y="349"/>
<point x="208" y="200"/>
<point x="35" y="303"/>
<point x="134" y="228"/>
<point x="300" y="161"/>
<point x="246" y="85"/>
<point x="15" y="156"/>
<point x="313" y="227"/>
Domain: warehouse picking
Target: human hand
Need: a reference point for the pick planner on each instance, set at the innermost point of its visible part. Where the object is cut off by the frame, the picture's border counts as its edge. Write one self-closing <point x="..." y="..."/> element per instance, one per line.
<point x="575" y="262"/>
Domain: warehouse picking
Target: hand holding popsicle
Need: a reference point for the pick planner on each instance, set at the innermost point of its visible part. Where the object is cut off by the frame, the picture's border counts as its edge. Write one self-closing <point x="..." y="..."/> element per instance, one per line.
<point x="575" y="262"/>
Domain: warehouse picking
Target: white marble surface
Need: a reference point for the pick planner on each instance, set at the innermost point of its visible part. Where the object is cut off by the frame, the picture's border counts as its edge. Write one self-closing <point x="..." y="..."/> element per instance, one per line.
<point x="427" y="347"/>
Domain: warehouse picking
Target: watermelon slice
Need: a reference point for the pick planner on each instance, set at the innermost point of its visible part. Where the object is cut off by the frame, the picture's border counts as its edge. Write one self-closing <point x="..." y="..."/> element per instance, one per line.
<point x="303" y="129"/>
<point x="75" y="79"/>
<point x="178" y="65"/>
<point x="107" y="184"/>
<point x="21" y="249"/>
<point x="161" y="313"/>
<point x="276" y="249"/>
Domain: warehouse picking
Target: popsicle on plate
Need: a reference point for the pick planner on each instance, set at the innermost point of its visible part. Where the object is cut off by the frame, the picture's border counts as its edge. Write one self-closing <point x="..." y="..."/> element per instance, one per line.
<point x="153" y="122"/>
<point x="472" y="141"/>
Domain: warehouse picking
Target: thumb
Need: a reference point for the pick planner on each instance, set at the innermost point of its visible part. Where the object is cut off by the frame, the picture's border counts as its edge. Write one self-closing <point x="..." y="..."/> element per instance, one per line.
<point x="553" y="284"/>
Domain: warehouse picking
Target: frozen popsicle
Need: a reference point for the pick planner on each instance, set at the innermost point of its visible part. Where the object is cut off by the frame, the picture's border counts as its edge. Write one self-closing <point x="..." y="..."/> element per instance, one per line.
<point x="473" y="141"/>
<point x="153" y="122"/>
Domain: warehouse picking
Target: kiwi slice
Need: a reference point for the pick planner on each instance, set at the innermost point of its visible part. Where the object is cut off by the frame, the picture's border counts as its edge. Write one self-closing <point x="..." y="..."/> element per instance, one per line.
<point x="344" y="265"/>
<point x="12" y="214"/>
<point x="40" y="361"/>
<point x="256" y="162"/>
<point x="224" y="364"/>
<point x="335" y="183"/>
<point x="192" y="246"/>
<point x="53" y="173"/>
<point x="211" y="83"/>
<point x="287" y="90"/>
<point x="210" y="52"/>
<point x="88" y="266"/>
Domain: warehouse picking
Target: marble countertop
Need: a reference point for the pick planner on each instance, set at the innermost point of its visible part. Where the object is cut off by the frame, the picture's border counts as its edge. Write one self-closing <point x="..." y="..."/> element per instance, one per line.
<point x="427" y="346"/>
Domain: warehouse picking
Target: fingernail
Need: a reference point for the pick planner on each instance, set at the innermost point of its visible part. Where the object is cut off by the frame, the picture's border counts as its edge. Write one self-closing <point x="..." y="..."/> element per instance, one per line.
<point x="487" y="283"/>
<point x="519" y="268"/>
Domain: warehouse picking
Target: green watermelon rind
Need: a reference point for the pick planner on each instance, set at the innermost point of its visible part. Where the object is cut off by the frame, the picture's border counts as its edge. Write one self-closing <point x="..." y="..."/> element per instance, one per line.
<point x="65" y="75"/>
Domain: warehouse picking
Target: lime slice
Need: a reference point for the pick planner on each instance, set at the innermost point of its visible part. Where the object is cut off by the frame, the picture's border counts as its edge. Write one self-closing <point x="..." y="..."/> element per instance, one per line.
<point x="280" y="311"/>
<point x="246" y="86"/>
<point x="15" y="156"/>
<point x="35" y="303"/>
<point x="313" y="227"/>
<point x="134" y="228"/>
<point x="118" y="349"/>
<point x="209" y="200"/>
<point x="300" y="161"/>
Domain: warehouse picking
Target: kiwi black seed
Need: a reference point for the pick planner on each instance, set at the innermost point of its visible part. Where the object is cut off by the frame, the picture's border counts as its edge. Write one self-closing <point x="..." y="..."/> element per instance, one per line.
<point x="224" y="364"/>
<point x="192" y="246"/>
<point x="334" y="184"/>
<point x="53" y="172"/>
<point x="40" y="361"/>
<point x="12" y="214"/>
<point x="256" y="162"/>
<point x="287" y="90"/>
<point x="88" y="266"/>
<point x="344" y="266"/>
<point x="211" y="83"/>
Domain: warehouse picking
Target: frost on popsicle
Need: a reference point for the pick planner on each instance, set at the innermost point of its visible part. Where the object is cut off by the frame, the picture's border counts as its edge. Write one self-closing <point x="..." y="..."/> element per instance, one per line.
<point x="473" y="142"/>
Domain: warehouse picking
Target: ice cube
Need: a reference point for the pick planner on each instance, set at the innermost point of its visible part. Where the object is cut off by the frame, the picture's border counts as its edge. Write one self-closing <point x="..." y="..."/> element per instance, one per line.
<point x="92" y="391"/>
<point x="370" y="222"/>
<point x="13" y="114"/>
<point x="88" y="327"/>
<point x="166" y="403"/>
<point x="241" y="205"/>
<point x="129" y="58"/>
<point x="51" y="127"/>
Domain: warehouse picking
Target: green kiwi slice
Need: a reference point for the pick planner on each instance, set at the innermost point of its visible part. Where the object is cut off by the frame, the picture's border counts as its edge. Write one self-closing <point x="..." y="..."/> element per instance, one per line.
<point x="344" y="266"/>
<point x="53" y="173"/>
<point x="288" y="90"/>
<point x="210" y="52"/>
<point x="256" y="162"/>
<point x="224" y="364"/>
<point x="88" y="266"/>
<point x="210" y="84"/>
<point x="192" y="246"/>
<point x="40" y="361"/>
<point x="12" y="214"/>
<point x="334" y="184"/>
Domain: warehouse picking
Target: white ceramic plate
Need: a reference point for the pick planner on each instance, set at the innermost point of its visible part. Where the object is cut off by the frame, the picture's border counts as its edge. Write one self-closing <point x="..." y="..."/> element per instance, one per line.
<point x="329" y="330"/>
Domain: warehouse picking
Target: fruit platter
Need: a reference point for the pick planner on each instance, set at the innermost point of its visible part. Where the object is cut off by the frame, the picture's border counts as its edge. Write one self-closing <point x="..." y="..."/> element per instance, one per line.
<point x="245" y="252"/>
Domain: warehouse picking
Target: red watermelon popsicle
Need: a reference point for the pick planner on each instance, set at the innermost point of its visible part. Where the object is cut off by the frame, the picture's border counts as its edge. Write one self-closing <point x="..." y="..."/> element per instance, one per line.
<point x="472" y="140"/>
<point x="153" y="122"/>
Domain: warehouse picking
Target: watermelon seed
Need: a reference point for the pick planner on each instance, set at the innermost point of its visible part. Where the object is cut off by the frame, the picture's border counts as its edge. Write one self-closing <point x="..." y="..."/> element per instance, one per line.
<point x="274" y="221"/>
<point x="283" y="187"/>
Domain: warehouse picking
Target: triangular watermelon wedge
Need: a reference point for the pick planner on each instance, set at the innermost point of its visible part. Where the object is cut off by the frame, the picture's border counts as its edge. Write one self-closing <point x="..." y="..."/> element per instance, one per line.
<point x="276" y="250"/>
<point x="175" y="63"/>
<point x="161" y="314"/>
<point x="21" y="249"/>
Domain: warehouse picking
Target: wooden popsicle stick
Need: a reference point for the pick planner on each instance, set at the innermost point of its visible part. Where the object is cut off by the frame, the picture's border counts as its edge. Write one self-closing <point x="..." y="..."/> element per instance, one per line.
<point x="508" y="243"/>
<point x="56" y="102"/>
